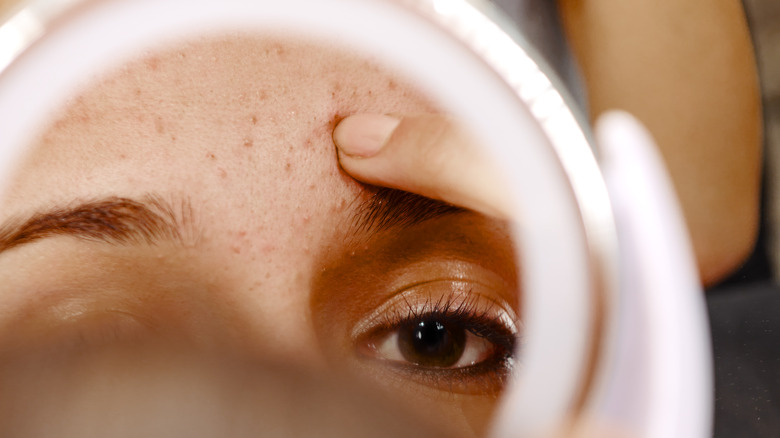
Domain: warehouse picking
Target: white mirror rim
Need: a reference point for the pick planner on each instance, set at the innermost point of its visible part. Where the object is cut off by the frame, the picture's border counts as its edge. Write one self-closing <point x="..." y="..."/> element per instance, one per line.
<point x="565" y="233"/>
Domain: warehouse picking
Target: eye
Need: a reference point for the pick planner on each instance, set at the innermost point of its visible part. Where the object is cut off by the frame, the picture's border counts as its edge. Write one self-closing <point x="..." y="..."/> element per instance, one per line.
<point x="439" y="341"/>
<point x="443" y="335"/>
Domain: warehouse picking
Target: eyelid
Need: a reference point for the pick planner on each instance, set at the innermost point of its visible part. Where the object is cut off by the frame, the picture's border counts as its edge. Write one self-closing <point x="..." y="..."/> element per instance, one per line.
<point x="421" y="296"/>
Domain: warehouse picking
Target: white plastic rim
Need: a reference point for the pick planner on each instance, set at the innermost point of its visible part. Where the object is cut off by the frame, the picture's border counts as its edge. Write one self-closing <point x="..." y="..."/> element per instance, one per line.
<point x="464" y="61"/>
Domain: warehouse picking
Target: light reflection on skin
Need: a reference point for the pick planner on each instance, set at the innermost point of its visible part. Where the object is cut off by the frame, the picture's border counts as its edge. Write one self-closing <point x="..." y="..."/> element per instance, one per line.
<point x="273" y="252"/>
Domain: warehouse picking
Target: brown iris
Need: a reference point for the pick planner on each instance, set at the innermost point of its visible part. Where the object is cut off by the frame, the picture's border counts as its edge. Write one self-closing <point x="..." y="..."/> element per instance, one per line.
<point x="431" y="343"/>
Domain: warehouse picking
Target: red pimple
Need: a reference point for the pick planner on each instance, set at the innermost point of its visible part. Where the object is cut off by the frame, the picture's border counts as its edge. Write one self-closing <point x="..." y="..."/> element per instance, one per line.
<point x="153" y="63"/>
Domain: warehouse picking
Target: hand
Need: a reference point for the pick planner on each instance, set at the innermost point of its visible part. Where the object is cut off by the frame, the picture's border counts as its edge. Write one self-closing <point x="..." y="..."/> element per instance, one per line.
<point x="426" y="154"/>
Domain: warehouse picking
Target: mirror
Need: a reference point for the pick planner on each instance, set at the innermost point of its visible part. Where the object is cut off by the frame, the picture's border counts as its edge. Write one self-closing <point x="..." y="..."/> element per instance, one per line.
<point x="187" y="191"/>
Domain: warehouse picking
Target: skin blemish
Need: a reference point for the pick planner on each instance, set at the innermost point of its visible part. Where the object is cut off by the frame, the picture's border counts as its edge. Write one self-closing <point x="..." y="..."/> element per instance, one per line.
<point x="222" y="173"/>
<point x="248" y="142"/>
<point x="275" y="49"/>
<point x="253" y="119"/>
<point x="158" y="125"/>
<point x="334" y="120"/>
<point x="288" y="166"/>
<point x="211" y="156"/>
<point x="391" y="85"/>
<point x="153" y="63"/>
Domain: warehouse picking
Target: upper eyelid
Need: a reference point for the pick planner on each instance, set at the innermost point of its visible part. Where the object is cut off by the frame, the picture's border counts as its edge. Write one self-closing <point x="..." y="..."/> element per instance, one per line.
<point x="470" y="290"/>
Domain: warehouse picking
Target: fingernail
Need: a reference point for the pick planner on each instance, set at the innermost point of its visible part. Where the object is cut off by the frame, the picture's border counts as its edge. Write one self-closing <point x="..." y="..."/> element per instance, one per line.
<point x="364" y="135"/>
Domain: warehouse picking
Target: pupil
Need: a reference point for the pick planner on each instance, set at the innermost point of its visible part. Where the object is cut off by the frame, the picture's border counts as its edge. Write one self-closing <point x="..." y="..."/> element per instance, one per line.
<point x="429" y="342"/>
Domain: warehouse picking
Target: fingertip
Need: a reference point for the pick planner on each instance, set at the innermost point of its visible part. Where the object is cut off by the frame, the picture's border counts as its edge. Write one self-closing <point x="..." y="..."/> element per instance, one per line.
<point x="364" y="135"/>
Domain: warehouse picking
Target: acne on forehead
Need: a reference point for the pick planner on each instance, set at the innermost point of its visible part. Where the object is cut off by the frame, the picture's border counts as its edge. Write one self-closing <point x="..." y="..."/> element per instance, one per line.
<point x="217" y="113"/>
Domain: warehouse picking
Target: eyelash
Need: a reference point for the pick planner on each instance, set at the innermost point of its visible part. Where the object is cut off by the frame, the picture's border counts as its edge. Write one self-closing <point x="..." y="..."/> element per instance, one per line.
<point x="488" y="375"/>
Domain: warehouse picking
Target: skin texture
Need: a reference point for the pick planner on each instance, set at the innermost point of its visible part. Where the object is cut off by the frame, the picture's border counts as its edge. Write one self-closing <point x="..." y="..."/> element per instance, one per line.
<point x="686" y="69"/>
<point x="234" y="136"/>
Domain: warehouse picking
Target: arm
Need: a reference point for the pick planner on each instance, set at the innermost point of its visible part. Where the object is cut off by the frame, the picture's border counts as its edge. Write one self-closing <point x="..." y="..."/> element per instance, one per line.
<point x="686" y="69"/>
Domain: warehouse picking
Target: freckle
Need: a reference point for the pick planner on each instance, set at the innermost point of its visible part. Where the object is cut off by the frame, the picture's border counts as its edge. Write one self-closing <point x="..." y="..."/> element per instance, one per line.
<point x="248" y="143"/>
<point x="158" y="125"/>
<point x="288" y="166"/>
<point x="173" y="137"/>
<point x="309" y="143"/>
<point x="312" y="186"/>
<point x="262" y="95"/>
<point x="392" y="85"/>
<point x="137" y="92"/>
<point x="222" y="173"/>
<point x="211" y="156"/>
<point x="254" y="120"/>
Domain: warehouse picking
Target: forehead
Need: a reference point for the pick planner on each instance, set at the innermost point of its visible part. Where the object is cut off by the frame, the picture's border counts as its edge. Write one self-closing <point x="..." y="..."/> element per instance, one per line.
<point x="242" y="123"/>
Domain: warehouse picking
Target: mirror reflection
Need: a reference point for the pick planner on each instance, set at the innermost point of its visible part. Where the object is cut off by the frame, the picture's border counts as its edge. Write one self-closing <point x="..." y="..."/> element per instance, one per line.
<point x="193" y="198"/>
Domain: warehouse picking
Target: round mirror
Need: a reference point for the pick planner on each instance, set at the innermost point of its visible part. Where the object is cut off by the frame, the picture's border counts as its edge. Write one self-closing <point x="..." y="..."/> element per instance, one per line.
<point x="170" y="176"/>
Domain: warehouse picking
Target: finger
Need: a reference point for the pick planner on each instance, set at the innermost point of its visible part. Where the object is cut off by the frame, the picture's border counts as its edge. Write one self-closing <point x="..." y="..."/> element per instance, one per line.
<point x="426" y="154"/>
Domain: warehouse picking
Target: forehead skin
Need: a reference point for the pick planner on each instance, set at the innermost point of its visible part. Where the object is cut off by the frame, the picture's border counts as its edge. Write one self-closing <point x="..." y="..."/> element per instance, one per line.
<point x="242" y="127"/>
<point x="239" y="129"/>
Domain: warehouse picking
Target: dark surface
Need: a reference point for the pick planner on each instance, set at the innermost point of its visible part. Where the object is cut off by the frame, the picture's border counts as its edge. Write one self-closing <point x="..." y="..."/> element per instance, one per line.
<point x="745" y="321"/>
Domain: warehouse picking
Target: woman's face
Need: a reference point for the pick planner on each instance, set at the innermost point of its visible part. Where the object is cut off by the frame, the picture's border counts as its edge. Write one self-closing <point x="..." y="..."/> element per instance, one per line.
<point x="195" y="195"/>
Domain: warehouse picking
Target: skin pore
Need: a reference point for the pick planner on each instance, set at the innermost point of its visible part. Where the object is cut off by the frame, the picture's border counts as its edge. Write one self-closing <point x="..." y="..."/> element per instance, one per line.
<point x="194" y="196"/>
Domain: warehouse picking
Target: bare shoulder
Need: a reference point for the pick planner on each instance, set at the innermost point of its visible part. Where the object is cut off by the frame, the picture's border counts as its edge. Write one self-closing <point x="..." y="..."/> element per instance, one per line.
<point x="687" y="69"/>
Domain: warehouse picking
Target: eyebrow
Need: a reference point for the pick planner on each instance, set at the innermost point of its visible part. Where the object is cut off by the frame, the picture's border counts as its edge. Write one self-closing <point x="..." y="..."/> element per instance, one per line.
<point x="113" y="219"/>
<point x="389" y="208"/>
<point x="120" y="220"/>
